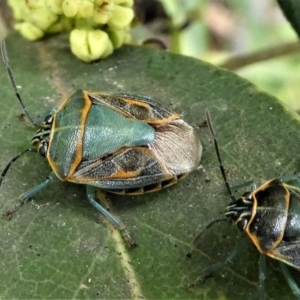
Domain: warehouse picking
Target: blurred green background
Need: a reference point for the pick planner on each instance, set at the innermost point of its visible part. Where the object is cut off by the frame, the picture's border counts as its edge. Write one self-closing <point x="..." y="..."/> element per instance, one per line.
<point x="216" y="30"/>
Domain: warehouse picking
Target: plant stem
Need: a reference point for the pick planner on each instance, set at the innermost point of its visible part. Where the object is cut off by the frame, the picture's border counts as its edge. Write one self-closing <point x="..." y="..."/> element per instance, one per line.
<point x="241" y="61"/>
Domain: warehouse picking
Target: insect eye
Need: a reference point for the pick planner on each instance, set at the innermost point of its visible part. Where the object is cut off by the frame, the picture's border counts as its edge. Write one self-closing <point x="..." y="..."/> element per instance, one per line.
<point x="48" y="120"/>
<point x="43" y="148"/>
<point x="247" y="195"/>
<point x="241" y="224"/>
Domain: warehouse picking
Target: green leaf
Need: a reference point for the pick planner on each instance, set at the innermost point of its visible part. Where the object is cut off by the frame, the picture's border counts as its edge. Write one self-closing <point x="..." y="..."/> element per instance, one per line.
<point x="291" y="10"/>
<point x="58" y="246"/>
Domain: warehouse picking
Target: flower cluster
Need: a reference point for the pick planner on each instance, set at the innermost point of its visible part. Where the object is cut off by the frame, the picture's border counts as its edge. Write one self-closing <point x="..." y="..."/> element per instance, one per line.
<point x="96" y="27"/>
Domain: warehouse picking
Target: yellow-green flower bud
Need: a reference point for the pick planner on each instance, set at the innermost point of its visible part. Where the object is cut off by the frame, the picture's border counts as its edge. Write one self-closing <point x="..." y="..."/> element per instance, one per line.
<point x="100" y="25"/>
<point x="126" y="3"/>
<point x="63" y="24"/>
<point x="19" y="9"/>
<point x="89" y="45"/>
<point x="41" y="18"/>
<point x="33" y="4"/>
<point x="55" y="6"/>
<point x="102" y="11"/>
<point x="78" y="8"/>
<point x="121" y="17"/>
<point x="29" y="31"/>
<point x="117" y="36"/>
<point x="109" y="49"/>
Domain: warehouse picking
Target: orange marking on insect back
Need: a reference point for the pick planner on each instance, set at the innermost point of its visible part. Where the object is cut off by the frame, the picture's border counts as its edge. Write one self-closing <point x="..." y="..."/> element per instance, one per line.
<point x="283" y="258"/>
<point x="79" y="146"/>
<point x="254" y="238"/>
<point x="173" y="116"/>
<point x="136" y="102"/>
<point x="124" y="174"/>
<point x="52" y="163"/>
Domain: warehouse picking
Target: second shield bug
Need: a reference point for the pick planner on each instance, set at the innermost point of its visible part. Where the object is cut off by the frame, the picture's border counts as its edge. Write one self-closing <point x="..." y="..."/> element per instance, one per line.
<point x="270" y="216"/>
<point x="122" y="143"/>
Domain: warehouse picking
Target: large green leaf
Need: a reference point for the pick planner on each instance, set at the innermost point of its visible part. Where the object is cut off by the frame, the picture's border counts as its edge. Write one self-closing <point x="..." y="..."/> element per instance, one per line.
<point x="58" y="246"/>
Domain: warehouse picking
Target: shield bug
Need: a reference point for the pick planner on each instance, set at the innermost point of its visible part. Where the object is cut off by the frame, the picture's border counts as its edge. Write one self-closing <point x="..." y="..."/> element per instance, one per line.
<point x="270" y="216"/>
<point x="122" y="143"/>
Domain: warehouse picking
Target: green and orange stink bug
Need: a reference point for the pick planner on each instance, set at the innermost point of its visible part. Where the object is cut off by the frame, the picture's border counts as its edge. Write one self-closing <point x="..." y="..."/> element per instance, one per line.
<point x="122" y="143"/>
<point x="270" y="216"/>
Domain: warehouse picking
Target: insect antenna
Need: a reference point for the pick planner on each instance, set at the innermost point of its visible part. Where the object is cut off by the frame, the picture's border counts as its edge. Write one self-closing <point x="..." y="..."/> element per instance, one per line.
<point x="210" y="126"/>
<point x="12" y="80"/>
<point x="12" y="161"/>
<point x="212" y="223"/>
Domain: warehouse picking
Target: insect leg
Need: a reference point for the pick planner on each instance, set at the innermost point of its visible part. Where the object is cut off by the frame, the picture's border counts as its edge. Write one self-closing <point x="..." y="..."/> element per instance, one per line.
<point x="90" y="191"/>
<point x="290" y="280"/>
<point x="4" y="172"/>
<point x="208" y="272"/>
<point x="27" y="195"/>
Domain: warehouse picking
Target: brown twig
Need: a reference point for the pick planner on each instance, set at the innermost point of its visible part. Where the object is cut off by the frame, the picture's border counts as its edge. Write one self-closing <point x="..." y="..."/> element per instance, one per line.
<point x="241" y="61"/>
